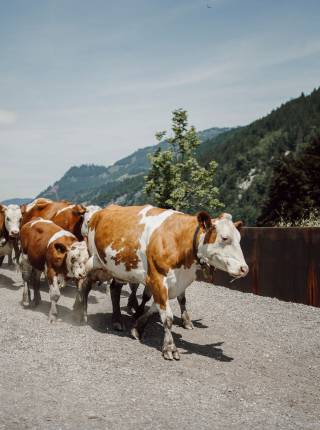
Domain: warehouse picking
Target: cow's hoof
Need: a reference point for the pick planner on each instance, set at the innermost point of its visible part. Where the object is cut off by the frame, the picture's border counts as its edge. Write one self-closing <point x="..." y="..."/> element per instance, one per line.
<point x="130" y="310"/>
<point x="52" y="318"/>
<point x="79" y="317"/>
<point x="167" y="355"/>
<point x="135" y="333"/>
<point x="116" y="325"/>
<point x="25" y="303"/>
<point x="176" y="355"/>
<point x="187" y="324"/>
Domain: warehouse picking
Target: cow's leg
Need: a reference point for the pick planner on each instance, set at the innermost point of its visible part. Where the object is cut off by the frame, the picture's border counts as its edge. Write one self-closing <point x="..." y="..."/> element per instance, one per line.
<point x="80" y="306"/>
<point x="132" y="300"/>
<point x="1" y="260"/>
<point x="142" y="321"/>
<point x="17" y="251"/>
<point x="115" y="292"/>
<point x="146" y="296"/>
<point x="186" y="321"/>
<point x="26" y="272"/>
<point x="36" y="275"/>
<point x="10" y="259"/>
<point x="54" y="292"/>
<point x="169" y="349"/>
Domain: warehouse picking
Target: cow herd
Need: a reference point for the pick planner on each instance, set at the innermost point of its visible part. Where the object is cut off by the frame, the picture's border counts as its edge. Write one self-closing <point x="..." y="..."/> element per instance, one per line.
<point x="160" y="248"/>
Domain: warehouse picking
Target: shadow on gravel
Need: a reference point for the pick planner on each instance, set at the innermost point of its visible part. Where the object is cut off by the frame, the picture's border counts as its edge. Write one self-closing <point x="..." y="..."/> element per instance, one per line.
<point x="154" y="335"/>
<point x="64" y="314"/>
<point x="7" y="282"/>
<point x="102" y="322"/>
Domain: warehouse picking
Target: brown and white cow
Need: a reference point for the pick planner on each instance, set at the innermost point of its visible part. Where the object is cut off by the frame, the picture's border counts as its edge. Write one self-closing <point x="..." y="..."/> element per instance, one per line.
<point x="47" y="247"/>
<point x="162" y="250"/>
<point x="10" y="219"/>
<point x="65" y="214"/>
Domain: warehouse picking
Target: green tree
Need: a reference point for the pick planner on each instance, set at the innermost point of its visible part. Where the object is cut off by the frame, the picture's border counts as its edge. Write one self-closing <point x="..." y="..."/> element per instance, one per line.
<point x="294" y="191"/>
<point x="175" y="179"/>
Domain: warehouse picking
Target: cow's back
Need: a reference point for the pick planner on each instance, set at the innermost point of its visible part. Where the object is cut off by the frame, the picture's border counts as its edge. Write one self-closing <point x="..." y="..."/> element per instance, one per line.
<point x="42" y="208"/>
<point x="35" y="236"/>
<point x="120" y="236"/>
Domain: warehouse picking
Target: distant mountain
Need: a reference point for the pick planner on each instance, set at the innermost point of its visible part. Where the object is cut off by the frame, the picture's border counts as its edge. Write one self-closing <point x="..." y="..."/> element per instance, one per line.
<point x="121" y="182"/>
<point x="16" y="201"/>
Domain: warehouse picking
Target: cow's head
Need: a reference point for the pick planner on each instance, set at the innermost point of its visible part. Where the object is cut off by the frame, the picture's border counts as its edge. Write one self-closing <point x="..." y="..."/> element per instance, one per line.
<point x="86" y="218"/>
<point x="79" y="210"/>
<point x="219" y="244"/>
<point x="77" y="257"/>
<point x="12" y="219"/>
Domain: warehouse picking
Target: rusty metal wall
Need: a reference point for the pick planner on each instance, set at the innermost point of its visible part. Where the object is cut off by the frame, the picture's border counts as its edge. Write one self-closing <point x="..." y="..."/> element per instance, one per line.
<point x="283" y="262"/>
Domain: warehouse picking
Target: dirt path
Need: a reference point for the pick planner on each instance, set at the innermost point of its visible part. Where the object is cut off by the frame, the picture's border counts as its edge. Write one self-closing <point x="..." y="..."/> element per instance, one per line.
<point x="250" y="363"/>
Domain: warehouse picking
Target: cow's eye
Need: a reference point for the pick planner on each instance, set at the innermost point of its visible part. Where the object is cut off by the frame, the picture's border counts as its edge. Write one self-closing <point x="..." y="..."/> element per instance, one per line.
<point x="8" y="219"/>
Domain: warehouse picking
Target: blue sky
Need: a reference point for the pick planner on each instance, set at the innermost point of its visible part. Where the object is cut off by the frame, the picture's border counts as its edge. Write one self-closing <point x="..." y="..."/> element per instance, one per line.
<point x="91" y="81"/>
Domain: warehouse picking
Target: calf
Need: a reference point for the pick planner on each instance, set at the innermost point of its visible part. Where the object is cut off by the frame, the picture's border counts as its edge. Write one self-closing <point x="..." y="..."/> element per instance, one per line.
<point x="47" y="247"/>
<point x="10" y="218"/>
<point x="161" y="249"/>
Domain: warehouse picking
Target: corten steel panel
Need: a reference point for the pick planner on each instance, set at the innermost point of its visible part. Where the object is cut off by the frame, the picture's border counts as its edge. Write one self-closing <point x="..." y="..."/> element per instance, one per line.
<point x="283" y="263"/>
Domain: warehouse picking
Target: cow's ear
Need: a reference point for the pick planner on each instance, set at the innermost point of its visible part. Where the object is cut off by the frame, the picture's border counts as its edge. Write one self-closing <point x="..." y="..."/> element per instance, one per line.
<point x="1" y="209"/>
<point x="23" y="208"/>
<point x="238" y="225"/>
<point x="79" y="210"/>
<point x="204" y="220"/>
<point x="60" y="247"/>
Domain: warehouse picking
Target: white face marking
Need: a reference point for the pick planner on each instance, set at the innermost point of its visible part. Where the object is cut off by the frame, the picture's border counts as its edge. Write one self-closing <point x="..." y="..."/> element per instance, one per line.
<point x="58" y="235"/>
<point x="225" y="253"/>
<point x="12" y="214"/>
<point x="86" y="218"/>
<point x="64" y="209"/>
<point x="77" y="258"/>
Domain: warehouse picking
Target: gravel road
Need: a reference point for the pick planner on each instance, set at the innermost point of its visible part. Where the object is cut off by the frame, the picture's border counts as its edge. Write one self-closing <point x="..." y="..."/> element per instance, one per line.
<point x="250" y="363"/>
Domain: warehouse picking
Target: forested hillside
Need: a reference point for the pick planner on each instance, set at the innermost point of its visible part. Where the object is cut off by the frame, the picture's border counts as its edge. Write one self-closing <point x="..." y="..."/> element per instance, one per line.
<point x="247" y="156"/>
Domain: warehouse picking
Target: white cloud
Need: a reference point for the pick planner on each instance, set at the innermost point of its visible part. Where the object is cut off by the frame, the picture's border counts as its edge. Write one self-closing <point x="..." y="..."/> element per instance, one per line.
<point x="7" y="117"/>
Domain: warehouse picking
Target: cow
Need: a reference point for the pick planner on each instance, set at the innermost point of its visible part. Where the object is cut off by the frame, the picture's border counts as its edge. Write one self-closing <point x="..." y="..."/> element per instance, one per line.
<point x="162" y="249"/>
<point x="90" y="210"/>
<point x="47" y="247"/>
<point x="132" y="300"/>
<point x="65" y="214"/>
<point x="10" y="218"/>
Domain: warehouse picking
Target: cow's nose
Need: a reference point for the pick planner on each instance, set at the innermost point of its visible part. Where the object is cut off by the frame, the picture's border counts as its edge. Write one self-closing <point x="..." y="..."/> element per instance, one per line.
<point x="14" y="233"/>
<point x="244" y="270"/>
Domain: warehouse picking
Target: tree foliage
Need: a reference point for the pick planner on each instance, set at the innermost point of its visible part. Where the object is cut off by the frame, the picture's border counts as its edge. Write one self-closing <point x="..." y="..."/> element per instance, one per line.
<point x="175" y="179"/>
<point x="294" y="192"/>
<point x="257" y="148"/>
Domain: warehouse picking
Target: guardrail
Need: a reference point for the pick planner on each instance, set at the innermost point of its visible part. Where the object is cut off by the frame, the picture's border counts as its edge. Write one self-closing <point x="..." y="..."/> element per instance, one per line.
<point x="283" y="263"/>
